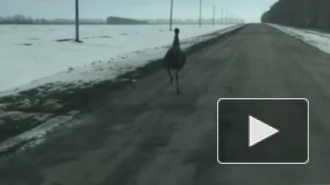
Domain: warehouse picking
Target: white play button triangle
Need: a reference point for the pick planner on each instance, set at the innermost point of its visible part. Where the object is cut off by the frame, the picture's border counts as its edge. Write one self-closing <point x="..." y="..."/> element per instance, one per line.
<point x="259" y="131"/>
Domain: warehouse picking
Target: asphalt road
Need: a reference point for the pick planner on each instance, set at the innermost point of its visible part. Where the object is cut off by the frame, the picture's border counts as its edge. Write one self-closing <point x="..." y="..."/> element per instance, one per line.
<point x="148" y="135"/>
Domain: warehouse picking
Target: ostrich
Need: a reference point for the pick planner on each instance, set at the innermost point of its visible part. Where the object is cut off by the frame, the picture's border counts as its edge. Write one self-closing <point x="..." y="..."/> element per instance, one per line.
<point x="175" y="59"/>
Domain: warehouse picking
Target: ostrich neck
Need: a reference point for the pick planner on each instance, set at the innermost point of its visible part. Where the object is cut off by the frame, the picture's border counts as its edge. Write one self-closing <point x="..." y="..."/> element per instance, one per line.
<point x="176" y="41"/>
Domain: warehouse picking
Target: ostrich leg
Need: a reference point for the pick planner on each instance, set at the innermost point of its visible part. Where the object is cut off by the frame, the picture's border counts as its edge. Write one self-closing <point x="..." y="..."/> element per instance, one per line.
<point x="177" y="82"/>
<point x="170" y="74"/>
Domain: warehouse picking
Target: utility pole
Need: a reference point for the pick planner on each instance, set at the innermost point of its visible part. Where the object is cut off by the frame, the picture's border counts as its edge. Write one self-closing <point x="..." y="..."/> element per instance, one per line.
<point x="77" y="21"/>
<point x="222" y="16"/>
<point x="213" y="14"/>
<point x="171" y="15"/>
<point x="233" y="19"/>
<point x="200" y="13"/>
<point x="230" y="18"/>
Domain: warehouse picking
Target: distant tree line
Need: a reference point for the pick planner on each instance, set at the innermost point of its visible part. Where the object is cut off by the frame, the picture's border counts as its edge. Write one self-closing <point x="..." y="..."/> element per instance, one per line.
<point x="122" y="20"/>
<point x="196" y="21"/>
<point x="300" y="13"/>
<point x="21" y="19"/>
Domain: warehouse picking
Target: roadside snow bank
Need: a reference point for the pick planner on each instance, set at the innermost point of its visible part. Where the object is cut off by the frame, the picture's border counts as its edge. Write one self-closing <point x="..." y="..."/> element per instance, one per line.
<point x="37" y="135"/>
<point x="314" y="38"/>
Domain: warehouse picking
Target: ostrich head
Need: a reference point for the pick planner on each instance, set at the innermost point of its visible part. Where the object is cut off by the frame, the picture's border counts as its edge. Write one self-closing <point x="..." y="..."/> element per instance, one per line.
<point x="177" y="31"/>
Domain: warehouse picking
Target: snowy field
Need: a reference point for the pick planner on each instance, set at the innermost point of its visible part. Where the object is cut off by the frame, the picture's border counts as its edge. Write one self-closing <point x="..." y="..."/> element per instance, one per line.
<point x="32" y="52"/>
<point x="314" y="38"/>
<point x="47" y="62"/>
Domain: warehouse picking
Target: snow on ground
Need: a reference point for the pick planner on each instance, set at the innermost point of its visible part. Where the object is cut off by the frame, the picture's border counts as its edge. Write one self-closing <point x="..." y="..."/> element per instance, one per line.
<point x="31" y="52"/>
<point x="37" y="135"/>
<point x="101" y="70"/>
<point x="69" y="62"/>
<point x="314" y="38"/>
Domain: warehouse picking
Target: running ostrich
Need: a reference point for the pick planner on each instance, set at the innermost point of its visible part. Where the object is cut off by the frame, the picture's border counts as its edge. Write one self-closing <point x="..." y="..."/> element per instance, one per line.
<point x="175" y="59"/>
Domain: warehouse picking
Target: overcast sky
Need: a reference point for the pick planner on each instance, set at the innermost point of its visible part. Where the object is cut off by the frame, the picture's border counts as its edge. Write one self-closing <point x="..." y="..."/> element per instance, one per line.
<point x="250" y="10"/>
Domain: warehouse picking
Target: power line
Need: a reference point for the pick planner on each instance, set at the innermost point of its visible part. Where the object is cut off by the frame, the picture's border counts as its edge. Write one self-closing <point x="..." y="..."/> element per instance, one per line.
<point x="77" y="21"/>
<point x="171" y="15"/>
<point x="200" y="13"/>
<point x="213" y="15"/>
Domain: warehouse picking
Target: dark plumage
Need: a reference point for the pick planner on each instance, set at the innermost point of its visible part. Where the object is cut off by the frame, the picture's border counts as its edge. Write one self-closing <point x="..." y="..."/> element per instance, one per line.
<point x="175" y="59"/>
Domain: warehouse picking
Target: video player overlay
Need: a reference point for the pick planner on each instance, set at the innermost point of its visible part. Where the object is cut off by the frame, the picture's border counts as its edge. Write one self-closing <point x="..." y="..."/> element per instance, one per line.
<point x="263" y="131"/>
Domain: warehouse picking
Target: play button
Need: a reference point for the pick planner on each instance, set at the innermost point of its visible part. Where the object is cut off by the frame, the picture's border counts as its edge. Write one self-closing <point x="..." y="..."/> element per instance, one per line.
<point x="259" y="131"/>
<point x="263" y="131"/>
